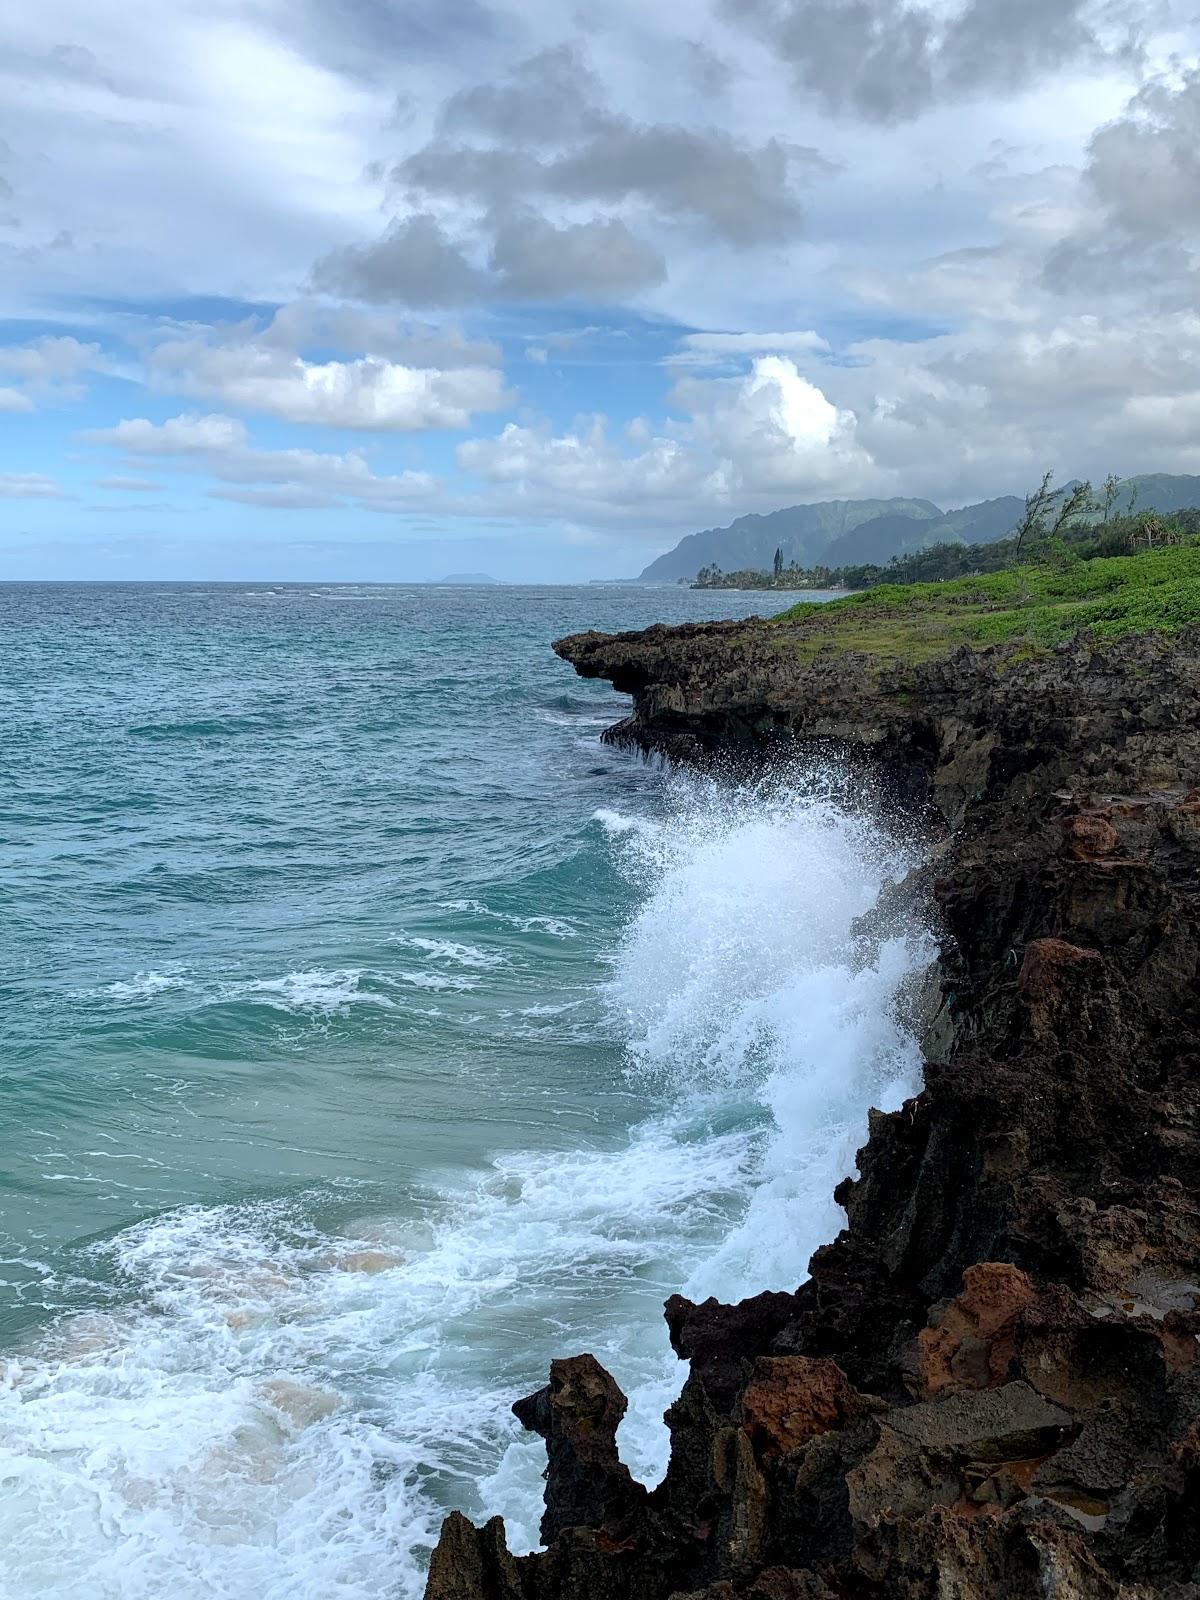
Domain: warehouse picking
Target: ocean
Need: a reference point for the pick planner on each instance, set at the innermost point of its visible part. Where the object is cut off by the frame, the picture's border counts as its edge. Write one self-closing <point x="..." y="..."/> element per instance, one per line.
<point x="370" y="1034"/>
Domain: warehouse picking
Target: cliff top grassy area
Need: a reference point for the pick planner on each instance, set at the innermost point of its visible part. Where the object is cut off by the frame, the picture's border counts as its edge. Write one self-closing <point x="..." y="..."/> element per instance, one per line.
<point x="1154" y="591"/>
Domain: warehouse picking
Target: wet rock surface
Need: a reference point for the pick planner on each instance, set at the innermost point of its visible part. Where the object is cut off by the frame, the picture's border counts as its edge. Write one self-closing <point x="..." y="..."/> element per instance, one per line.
<point x="990" y="1384"/>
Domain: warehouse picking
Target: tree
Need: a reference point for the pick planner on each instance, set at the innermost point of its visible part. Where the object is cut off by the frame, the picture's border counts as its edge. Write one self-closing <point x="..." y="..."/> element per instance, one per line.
<point x="1032" y="524"/>
<point x="1077" y="504"/>
<point x="1112" y="487"/>
<point x="778" y="562"/>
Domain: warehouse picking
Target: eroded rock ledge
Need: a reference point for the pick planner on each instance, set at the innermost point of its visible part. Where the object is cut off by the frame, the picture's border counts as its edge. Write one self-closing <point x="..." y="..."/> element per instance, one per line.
<point x="990" y="1385"/>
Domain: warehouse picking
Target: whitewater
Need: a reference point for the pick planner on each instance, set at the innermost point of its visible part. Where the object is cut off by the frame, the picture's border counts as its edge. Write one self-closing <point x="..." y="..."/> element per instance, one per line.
<point x="332" y="1122"/>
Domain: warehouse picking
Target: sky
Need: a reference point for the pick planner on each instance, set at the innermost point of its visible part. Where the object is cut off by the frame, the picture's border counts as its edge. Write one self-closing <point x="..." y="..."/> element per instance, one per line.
<point x="390" y="289"/>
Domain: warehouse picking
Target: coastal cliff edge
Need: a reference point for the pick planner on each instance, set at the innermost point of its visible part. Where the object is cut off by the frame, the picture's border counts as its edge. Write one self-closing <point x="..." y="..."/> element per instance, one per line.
<point x="990" y="1383"/>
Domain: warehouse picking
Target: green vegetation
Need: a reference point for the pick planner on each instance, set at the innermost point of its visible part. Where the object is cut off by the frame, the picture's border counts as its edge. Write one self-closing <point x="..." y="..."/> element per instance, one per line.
<point x="780" y="577"/>
<point x="1157" y="590"/>
<point x="1075" y="519"/>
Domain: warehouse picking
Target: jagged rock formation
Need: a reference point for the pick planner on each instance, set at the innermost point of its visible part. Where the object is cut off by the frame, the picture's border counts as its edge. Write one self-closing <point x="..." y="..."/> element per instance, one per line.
<point x="990" y="1384"/>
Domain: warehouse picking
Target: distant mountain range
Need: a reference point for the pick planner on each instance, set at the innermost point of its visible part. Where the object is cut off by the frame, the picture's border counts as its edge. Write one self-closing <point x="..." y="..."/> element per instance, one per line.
<point x="843" y="533"/>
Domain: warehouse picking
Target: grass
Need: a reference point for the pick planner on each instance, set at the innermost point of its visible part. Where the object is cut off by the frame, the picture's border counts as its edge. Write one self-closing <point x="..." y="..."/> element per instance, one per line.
<point x="1157" y="591"/>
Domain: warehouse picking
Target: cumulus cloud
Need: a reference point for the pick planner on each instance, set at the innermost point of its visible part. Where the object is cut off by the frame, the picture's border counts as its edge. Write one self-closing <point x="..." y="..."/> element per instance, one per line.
<point x="371" y="392"/>
<point x="1081" y="393"/>
<point x="178" y="436"/>
<point x="776" y="432"/>
<point x="583" y="469"/>
<point x="888" y="60"/>
<point x="298" y="479"/>
<point x="49" y="368"/>
<point x="1013" y="393"/>
<point x="739" y="443"/>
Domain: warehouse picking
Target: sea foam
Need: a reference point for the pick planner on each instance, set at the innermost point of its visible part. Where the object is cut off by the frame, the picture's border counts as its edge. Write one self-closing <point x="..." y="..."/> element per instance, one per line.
<point x="258" y="1415"/>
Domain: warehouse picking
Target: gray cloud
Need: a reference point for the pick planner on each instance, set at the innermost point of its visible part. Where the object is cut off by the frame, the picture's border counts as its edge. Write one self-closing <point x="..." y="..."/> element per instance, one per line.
<point x="491" y="176"/>
<point x="711" y="74"/>
<point x="1144" y="169"/>
<point x="536" y="260"/>
<point x="551" y="98"/>
<point x="532" y="151"/>
<point x="885" y="60"/>
<point x="746" y="195"/>
<point x="415" y="263"/>
<point x="556" y="138"/>
<point x="1141" y="232"/>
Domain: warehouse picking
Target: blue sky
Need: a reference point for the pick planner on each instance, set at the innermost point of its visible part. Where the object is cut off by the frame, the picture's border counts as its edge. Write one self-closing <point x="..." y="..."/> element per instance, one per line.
<point x="343" y="289"/>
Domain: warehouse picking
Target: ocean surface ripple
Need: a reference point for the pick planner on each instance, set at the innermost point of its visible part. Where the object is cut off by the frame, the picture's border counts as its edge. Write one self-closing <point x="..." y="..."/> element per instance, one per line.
<point x="371" y="1035"/>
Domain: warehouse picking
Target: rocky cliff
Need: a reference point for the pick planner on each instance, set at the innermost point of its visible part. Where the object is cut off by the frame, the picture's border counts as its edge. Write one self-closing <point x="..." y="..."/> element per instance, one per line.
<point x="990" y="1383"/>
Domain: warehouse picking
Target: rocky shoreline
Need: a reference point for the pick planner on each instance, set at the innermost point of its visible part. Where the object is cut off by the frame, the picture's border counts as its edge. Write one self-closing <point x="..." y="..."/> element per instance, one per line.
<point x="990" y="1383"/>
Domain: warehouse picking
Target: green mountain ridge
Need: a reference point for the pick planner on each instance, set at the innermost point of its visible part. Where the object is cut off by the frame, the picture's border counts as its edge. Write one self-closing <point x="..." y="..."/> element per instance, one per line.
<point x="803" y="533"/>
<point x="838" y="533"/>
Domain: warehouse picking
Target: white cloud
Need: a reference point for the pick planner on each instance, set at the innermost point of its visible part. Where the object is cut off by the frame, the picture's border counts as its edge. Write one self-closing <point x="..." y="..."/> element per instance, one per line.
<point x="49" y="368"/>
<point x="302" y="479"/>
<point x="778" y="431"/>
<point x="582" y="468"/>
<point x="741" y="444"/>
<point x="184" y="435"/>
<point x="28" y="486"/>
<point x="370" y="393"/>
<point x="994" y="307"/>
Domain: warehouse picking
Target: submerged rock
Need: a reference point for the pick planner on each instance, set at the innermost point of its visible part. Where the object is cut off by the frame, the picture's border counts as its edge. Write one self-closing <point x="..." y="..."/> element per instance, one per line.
<point x="990" y="1384"/>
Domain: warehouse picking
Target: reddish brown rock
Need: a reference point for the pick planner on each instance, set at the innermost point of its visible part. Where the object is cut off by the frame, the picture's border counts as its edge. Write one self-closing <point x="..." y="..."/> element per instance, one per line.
<point x="1053" y="980"/>
<point x="1090" y="837"/>
<point x="971" y="1341"/>
<point x="791" y="1399"/>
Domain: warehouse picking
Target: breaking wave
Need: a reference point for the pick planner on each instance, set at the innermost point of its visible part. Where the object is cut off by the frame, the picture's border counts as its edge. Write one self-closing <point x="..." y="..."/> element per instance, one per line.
<point x="263" y="1409"/>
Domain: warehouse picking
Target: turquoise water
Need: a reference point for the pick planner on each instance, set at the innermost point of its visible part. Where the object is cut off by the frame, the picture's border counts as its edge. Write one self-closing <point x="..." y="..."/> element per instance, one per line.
<point x="370" y="1034"/>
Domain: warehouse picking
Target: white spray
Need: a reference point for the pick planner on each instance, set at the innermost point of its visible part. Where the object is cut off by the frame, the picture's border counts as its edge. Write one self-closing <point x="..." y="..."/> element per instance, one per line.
<point x="273" y="1414"/>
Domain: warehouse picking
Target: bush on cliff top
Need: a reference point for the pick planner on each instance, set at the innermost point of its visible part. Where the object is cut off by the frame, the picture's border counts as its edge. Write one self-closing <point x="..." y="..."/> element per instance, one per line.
<point x="1155" y="592"/>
